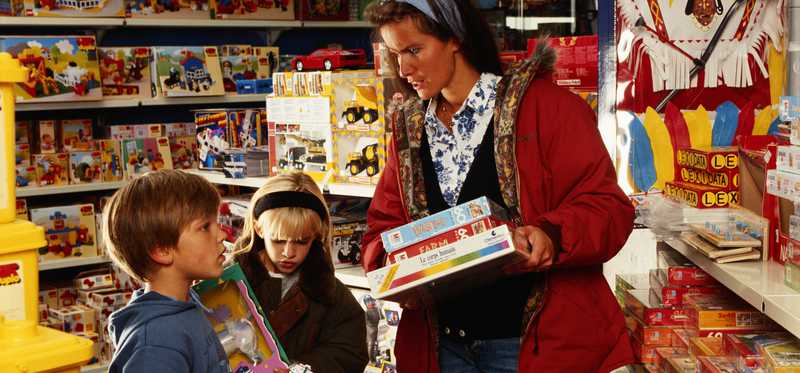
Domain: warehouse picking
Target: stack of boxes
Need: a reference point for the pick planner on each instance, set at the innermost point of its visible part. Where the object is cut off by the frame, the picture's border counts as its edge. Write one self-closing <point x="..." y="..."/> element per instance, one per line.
<point x="706" y="177"/>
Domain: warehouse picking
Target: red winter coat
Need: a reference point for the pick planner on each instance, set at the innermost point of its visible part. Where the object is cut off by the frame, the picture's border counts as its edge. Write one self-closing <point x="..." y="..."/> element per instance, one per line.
<point x="566" y="182"/>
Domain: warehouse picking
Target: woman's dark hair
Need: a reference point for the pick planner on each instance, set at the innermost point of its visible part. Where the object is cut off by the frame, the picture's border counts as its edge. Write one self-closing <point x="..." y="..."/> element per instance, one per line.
<point x="477" y="44"/>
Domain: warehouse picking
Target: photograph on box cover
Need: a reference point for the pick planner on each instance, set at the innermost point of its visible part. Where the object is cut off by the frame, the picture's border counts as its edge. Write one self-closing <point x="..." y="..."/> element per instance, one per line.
<point x="284" y="251"/>
<point x="469" y="130"/>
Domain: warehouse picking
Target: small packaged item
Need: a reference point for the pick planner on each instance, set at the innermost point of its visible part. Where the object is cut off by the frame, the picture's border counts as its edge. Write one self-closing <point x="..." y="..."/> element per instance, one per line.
<point x="111" y="160"/>
<point x="52" y="169"/>
<point x="69" y="230"/>
<point x="48" y="144"/>
<point x="143" y="155"/>
<point x="76" y="135"/>
<point x="86" y="167"/>
<point x="710" y="159"/>
<point x="22" y="132"/>
<point x="93" y="280"/>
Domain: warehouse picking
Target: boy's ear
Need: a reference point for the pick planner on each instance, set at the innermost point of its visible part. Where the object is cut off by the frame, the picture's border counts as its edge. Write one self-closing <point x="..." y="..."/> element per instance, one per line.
<point x="162" y="256"/>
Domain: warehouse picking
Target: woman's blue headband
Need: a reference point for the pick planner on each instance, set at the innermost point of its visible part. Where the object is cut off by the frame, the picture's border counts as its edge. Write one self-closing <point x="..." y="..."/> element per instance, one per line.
<point x="450" y="13"/>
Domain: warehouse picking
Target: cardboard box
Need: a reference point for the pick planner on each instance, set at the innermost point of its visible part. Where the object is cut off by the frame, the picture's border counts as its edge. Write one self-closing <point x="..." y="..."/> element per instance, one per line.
<point x="76" y="318"/>
<point x="66" y="8"/>
<point x="183" y="150"/>
<point x="706" y="346"/>
<point x="301" y="147"/>
<point x="86" y="167"/>
<point x="63" y="68"/>
<point x="12" y="8"/>
<point x="143" y="131"/>
<point x="48" y="142"/>
<point x="69" y="230"/>
<point x="111" y="160"/>
<point x="648" y="335"/>
<point x="125" y="72"/>
<point x="25" y="176"/>
<point x="93" y="280"/>
<point x="782" y="357"/>
<point x="179" y="129"/>
<point x="710" y="159"/>
<point x="727" y="180"/>
<point x="321" y="10"/>
<point x="188" y="71"/>
<point x="346" y="240"/>
<point x="638" y="304"/>
<point x="143" y="155"/>
<point x="213" y="137"/>
<point x="664" y="353"/>
<point x="788" y="159"/>
<point x="52" y="169"/>
<point x="699" y="196"/>
<point x="76" y="135"/>
<point x="22" y="155"/>
<point x="716" y="312"/>
<point x="23" y="131"/>
<point x="194" y="9"/>
<point x="716" y="364"/>
<point x="22" y="209"/>
<point x="416" y="231"/>
<point x="269" y="10"/>
<point x="675" y="269"/>
<point x="452" y="267"/>
<point x="113" y="298"/>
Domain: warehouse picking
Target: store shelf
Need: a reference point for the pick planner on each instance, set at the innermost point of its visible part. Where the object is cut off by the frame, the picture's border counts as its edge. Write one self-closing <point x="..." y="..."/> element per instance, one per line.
<point x="219" y="178"/>
<point x="95" y="368"/>
<point x="759" y="283"/>
<point x="61" y="21"/>
<point x="62" y="189"/>
<point x="338" y="24"/>
<point x="72" y="262"/>
<point x="354" y="190"/>
<point x="353" y="277"/>
<point x="161" y="101"/>
<point x="244" y="23"/>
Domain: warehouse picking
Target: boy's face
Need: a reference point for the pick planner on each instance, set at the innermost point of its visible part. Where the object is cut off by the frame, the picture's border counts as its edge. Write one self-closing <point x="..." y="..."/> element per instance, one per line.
<point x="199" y="252"/>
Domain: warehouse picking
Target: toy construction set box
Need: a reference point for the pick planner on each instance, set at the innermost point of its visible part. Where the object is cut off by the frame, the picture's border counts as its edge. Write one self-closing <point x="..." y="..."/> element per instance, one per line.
<point x="213" y="137"/>
<point x="51" y="169"/>
<point x="248" y="66"/>
<point x="125" y="72"/>
<point x="144" y="155"/>
<point x="240" y="323"/>
<point x="253" y="9"/>
<point x="188" y="71"/>
<point x="440" y="222"/>
<point x="453" y="267"/>
<point x="300" y="147"/>
<point x="75" y="8"/>
<point x="302" y="84"/>
<point x="183" y="149"/>
<point x="111" y="160"/>
<point x="69" y="230"/>
<point x="167" y="9"/>
<point x="61" y="68"/>
<point x="76" y="135"/>
<point x="86" y="167"/>
<point x="47" y="136"/>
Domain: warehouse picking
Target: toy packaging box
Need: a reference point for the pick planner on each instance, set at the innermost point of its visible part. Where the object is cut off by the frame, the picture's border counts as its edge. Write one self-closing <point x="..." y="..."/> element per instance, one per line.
<point x="52" y="169"/>
<point x="93" y="280"/>
<point x="12" y="8"/>
<point x="25" y="176"/>
<point x="69" y="230"/>
<point x="125" y="72"/>
<point x="241" y="323"/>
<point x="383" y="318"/>
<point x="346" y="239"/>
<point x="253" y="9"/>
<point x="22" y="209"/>
<point x="151" y="130"/>
<point x="86" y="167"/>
<point x="179" y="129"/>
<point x="22" y="155"/>
<point x="73" y="8"/>
<point x="675" y="270"/>
<point x="48" y="143"/>
<point x="267" y="61"/>
<point x="76" y="135"/>
<point x="198" y="9"/>
<point x="358" y="156"/>
<point x="637" y="304"/>
<point x="183" y="149"/>
<point x="454" y="267"/>
<point x="700" y="196"/>
<point x="22" y="131"/>
<point x="243" y="127"/>
<point x="213" y="138"/>
<point x="111" y="160"/>
<point x="299" y="84"/>
<point x="323" y="10"/>
<point x="76" y="318"/>
<point x="188" y="71"/>
<point x="247" y="66"/>
<point x="782" y="357"/>
<point x="143" y="155"/>
<point x="355" y="100"/>
<point x="440" y="222"/>
<point x="716" y="364"/>
<point x="711" y="159"/>
<point x="445" y="238"/>
<point x="61" y="68"/>
<point x="120" y="132"/>
<point x="300" y="147"/>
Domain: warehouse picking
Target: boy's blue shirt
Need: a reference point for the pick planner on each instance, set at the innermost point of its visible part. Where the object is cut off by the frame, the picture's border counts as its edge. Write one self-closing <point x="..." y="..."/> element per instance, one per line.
<point x="155" y="333"/>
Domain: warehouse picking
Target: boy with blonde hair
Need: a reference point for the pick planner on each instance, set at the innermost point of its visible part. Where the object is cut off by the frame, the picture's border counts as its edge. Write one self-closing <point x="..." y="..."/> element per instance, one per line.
<point x="161" y="228"/>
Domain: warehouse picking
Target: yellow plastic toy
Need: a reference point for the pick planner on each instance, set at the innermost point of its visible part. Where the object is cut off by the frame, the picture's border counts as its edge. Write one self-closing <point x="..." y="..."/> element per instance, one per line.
<point x="24" y="346"/>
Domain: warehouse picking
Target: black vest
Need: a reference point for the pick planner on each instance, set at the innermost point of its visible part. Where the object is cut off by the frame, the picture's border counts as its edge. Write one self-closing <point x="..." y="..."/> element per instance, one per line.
<point x="492" y="310"/>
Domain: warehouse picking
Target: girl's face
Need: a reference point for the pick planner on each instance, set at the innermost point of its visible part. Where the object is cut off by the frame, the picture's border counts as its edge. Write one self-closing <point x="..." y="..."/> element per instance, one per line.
<point x="286" y="254"/>
<point x="426" y="62"/>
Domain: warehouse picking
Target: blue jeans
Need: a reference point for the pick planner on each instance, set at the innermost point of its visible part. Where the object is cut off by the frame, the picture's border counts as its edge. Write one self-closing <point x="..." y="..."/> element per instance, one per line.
<point x="482" y="356"/>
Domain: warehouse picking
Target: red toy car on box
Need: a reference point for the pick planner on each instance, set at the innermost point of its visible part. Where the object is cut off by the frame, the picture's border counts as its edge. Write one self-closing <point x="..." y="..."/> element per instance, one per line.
<point x="329" y="59"/>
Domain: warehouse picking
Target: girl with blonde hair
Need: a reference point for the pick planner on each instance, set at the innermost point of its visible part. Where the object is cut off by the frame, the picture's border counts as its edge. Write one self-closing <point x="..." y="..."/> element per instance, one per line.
<point x="284" y="252"/>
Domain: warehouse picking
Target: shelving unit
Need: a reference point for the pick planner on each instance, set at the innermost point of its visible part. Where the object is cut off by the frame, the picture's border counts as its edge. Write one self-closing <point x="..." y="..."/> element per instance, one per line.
<point x="161" y="101"/>
<point x="63" y="189"/>
<point x="72" y="262"/>
<point x="174" y="22"/>
<point x="759" y="283"/>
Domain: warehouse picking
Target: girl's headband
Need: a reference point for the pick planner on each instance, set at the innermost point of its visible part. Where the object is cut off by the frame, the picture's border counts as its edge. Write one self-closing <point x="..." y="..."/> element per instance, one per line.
<point x="449" y="9"/>
<point x="290" y="199"/>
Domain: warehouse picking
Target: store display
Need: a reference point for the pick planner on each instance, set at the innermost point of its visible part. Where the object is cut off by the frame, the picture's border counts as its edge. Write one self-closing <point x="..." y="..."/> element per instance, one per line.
<point x="61" y="68"/>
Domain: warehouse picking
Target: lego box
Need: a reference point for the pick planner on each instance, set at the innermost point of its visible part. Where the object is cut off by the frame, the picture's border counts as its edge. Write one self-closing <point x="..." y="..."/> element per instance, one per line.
<point x="111" y="160"/>
<point x="442" y="221"/>
<point x="453" y="267"/>
<point x="22" y="155"/>
<point x="76" y="135"/>
<point x="86" y="167"/>
<point x="711" y="159"/>
<point x="253" y="9"/>
<point x="69" y="230"/>
<point x="183" y="149"/>
<point x="700" y="196"/>
<point x="25" y="176"/>
<point x="22" y="132"/>
<point x="48" y="143"/>
<point x="143" y="155"/>
<point x="188" y="71"/>
<point x="125" y="72"/>
<point x="75" y="8"/>
<point x="443" y="239"/>
<point x="93" y="280"/>
<point x="76" y="318"/>
<point x="62" y="68"/>
<point x="213" y="137"/>
<point x="198" y="9"/>
<point x="52" y="169"/>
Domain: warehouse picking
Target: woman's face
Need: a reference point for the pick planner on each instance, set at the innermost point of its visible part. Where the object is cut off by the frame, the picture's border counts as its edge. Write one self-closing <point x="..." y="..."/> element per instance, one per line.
<point x="426" y="62"/>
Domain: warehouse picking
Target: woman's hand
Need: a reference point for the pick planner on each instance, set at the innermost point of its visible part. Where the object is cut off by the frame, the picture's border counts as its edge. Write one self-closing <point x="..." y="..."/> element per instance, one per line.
<point x="536" y="249"/>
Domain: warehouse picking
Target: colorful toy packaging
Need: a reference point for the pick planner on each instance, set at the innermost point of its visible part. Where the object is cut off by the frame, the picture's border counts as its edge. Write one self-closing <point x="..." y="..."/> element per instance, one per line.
<point x="321" y="10"/>
<point x="183" y="151"/>
<point x="61" y="68"/>
<point x="143" y="155"/>
<point x="22" y="155"/>
<point x="213" y="138"/>
<point x="445" y="238"/>
<point x="67" y="8"/>
<point x="252" y="9"/>
<point x="700" y="196"/>
<point x="188" y="71"/>
<point x="125" y="72"/>
<point x="111" y="160"/>
<point x="12" y="8"/>
<point x="240" y="323"/>
<point x="22" y="132"/>
<point x="48" y="143"/>
<point x="245" y="66"/>
<point x="22" y="209"/>
<point x="25" y="176"/>
<point x="52" y="169"/>
<point x="346" y="239"/>
<point x="69" y="230"/>
<point x="76" y="134"/>
<point x="167" y="9"/>
<point x="86" y="167"/>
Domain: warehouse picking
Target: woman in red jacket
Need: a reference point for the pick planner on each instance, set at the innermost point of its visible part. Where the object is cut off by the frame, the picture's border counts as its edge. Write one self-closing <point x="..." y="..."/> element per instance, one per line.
<point x="533" y="148"/>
